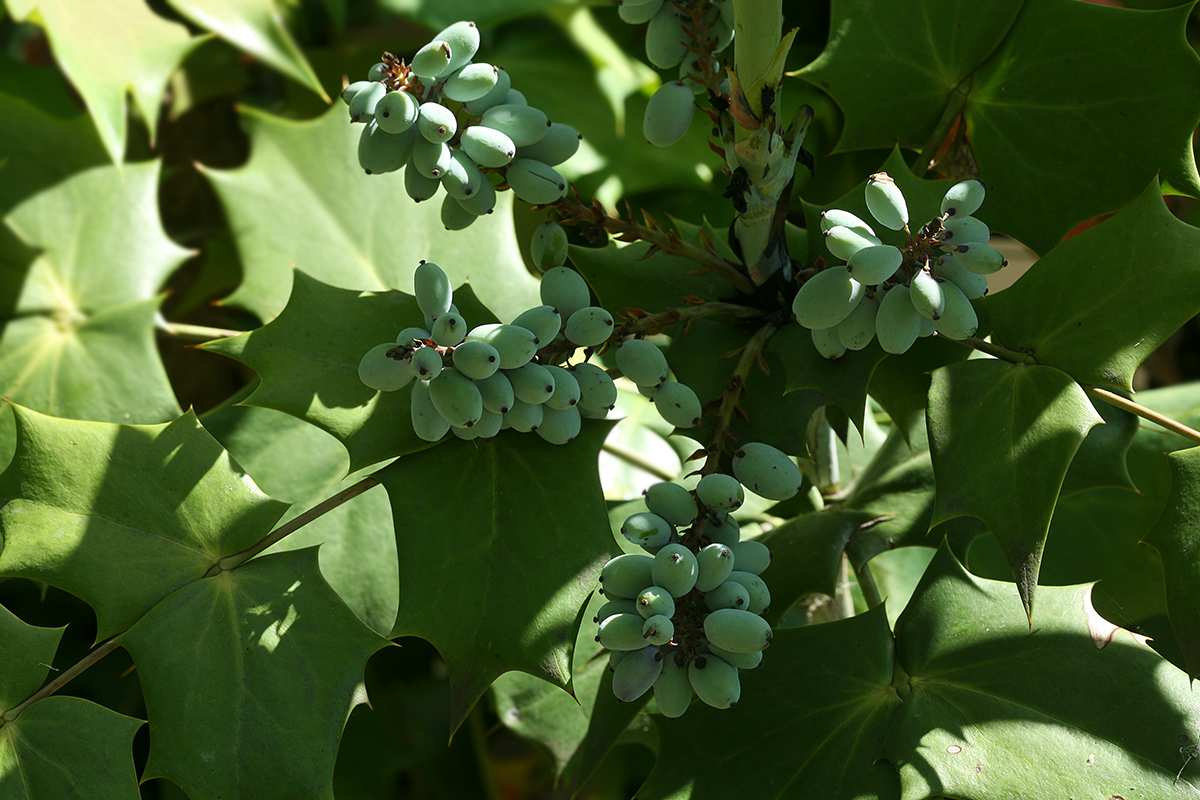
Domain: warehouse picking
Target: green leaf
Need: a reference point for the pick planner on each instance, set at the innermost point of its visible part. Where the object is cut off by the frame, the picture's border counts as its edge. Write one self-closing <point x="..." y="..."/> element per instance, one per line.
<point x="249" y="677"/>
<point x="843" y="380"/>
<point x="1039" y="125"/>
<point x="136" y="511"/>
<point x="495" y="579"/>
<point x="806" y="556"/>
<point x="308" y="360"/>
<point x="80" y="265"/>
<point x="255" y="26"/>
<point x="39" y="150"/>
<point x="1175" y="536"/>
<point x="1099" y="304"/>
<point x="350" y="229"/>
<point x="108" y="49"/>
<point x="28" y="650"/>
<point x="1100" y="462"/>
<point x="805" y="726"/>
<point x="1077" y="703"/>
<point x="578" y="729"/>
<point x="68" y="747"/>
<point x="292" y="460"/>
<point x="1002" y="436"/>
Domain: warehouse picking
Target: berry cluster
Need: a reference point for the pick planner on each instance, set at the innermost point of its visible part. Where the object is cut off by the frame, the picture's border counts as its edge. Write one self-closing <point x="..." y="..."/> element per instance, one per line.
<point x="455" y="124"/>
<point x="480" y="381"/>
<point x="687" y="33"/>
<point x="687" y="617"/>
<point x="899" y="294"/>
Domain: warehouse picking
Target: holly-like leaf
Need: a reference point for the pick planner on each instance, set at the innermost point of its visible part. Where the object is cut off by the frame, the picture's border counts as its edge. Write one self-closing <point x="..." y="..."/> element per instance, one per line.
<point x="123" y="515"/>
<point x="1175" y="536"/>
<point x="843" y="696"/>
<point x="437" y="14"/>
<point x="80" y="264"/>
<point x="500" y="545"/>
<point x="1002" y="436"/>
<point x="249" y="677"/>
<point x="108" y="49"/>
<point x="351" y="229"/>
<point x="1041" y="127"/>
<point x="308" y="361"/>
<point x="1077" y="703"/>
<point x="68" y="747"/>
<point x="255" y="26"/>
<point x="293" y="460"/>
<point x="24" y="659"/>
<point x="578" y="729"/>
<point x="39" y="149"/>
<point x="843" y="380"/>
<point x="1100" y="303"/>
<point x="1100" y="462"/>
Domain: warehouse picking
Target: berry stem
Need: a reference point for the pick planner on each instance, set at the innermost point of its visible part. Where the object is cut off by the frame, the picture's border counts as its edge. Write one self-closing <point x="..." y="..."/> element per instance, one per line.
<point x="734" y="387"/>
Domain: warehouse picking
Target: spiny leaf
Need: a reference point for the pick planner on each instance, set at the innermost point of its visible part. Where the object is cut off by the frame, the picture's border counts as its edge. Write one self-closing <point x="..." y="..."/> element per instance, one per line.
<point x="249" y="677"/>
<point x="255" y="26"/>
<point x="308" y="360"/>
<point x="107" y="49"/>
<point x="348" y="228"/>
<point x="1176" y="535"/>
<point x="1100" y="303"/>
<point x="80" y="264"/>
<point x="1002" y="62"/>
<point x="501" y="543"/>
<point x="993" y="708"/>
<point x="632" y="276"/>
<point x="68" y="747"/>
<point x="38" y="150"/>
<point x="1002" y="436"/>
<point x="293" y="460"/>
<point x="136" y="511"/>
<point x="844" y="698"/>
<point x="24" y="661"/>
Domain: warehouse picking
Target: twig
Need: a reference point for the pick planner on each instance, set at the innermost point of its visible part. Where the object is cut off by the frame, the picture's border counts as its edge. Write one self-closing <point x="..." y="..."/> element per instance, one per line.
<point x="751" y="354"/>
<point x="199" y="333"/>
<point x="291" y="526"/>
<point x="633" y="458"/>
<point x="1115" y="399"/>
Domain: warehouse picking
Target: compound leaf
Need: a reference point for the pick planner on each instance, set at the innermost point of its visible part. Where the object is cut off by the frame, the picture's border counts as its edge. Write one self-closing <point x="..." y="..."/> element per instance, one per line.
<point x="249" y="677"/>
<point x="496" y="578"/>
<point x="308" y="361"/>
<point x="351" y="229"/>
<point x="1099" y="304"/>
<point x="255" y="26"/>
<point x="993" y="707"/>
<point x="1175" y="536"/>
<point x="123" y="515"/>
<point x="1038" y="124"/>
<point x="1002" y="437"/>
<point x="107" y="49"/>
<point x="805" y="726"/>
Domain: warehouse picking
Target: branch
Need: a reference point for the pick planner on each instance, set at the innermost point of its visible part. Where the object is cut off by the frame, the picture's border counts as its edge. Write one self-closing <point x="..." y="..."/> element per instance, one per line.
<point x="751" y="355"/>
<point x="320" y="509"/>
<point x="1117" y="400"/>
